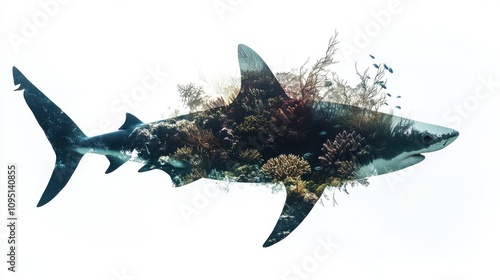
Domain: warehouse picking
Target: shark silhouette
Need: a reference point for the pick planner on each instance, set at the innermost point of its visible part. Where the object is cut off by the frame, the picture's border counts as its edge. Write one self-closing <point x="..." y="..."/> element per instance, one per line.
<point x="263" y="135"/>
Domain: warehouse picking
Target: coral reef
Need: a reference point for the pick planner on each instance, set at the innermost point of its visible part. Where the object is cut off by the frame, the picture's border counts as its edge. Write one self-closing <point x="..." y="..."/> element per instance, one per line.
<point x="252" y="124"/>
<point x="183" y="153"/>
<point x="297" y="187"/>
<point x="251" y="156"/>
<point x="200" y="138"/>
<point x="215" y="103"/>
<point x="285" y="166"/>
<point x="192" y="96"/>
<point x="343" y="155"/>
<point x="247" y="173"/>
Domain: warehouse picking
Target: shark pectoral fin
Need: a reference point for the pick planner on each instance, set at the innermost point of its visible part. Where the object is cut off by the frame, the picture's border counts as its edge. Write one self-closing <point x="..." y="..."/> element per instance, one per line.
<point x="297" y="207"/>
<point x="130" y="120"/>
<point x="172" y="171"/>
<point x="147" y="167"/>
<point x="114" y="163"/>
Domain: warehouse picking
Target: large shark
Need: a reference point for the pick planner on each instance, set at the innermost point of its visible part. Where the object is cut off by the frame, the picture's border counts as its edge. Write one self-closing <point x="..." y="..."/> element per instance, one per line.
<point x="263" y="135"/>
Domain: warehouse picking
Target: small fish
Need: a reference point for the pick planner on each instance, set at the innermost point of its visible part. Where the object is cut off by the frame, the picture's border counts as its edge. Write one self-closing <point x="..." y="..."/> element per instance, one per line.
<point x="328" y="83"/>
<point x="388" y="94"/>
<point x="390" y="70"/>
<point x="385" y="103"/>
<point x="385" y="66"/>
<point x="397" y="107"/>
<point x="322" y="133"/>
<point x="307" y="155"/>
<point x="399" y="96"/>
<point x="318" y="168"/>
<point x="372" y="56"/>
<point x="376" y="66"/>
<point x="383" y="86"/>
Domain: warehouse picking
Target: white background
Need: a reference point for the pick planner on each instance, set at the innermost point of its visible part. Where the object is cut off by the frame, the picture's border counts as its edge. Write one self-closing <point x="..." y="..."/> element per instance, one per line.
<point x="438" y="220"/>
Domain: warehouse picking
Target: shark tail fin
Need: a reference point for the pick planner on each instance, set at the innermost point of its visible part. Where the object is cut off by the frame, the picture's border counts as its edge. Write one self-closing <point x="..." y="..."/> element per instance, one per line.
<point x="62" y="133"/>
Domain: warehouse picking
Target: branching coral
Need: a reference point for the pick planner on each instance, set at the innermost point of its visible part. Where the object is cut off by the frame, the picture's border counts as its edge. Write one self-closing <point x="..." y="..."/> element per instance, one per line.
<point x="252" y="124"/>
<point x="227" y="87"/>
<point x="183" y="153"/>
<point x="308" y="84"/>
<point x="215" y="103"/>
<point x="285" y="166"/>
<point x="343" y="155"/>
<point x="297" y="187"/>
<point x="367" y="94"/>
<point x="201" y="138"/>
<point x="192" y="96"/>
<point x="251" y="156"/>
<point x="372" y="124"/>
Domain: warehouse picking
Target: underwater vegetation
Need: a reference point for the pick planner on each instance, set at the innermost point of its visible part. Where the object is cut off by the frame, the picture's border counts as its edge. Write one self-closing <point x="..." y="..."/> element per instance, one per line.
<point x="285" y="166"/>
<point x="343" y="155"/>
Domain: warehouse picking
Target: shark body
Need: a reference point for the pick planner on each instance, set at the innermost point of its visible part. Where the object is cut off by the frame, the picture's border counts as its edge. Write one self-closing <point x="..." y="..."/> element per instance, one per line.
<point x="262" y="136"/>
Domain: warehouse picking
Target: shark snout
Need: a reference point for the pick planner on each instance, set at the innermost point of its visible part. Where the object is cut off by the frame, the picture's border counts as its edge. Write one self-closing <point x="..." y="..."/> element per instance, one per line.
<point x="450" y="137"/>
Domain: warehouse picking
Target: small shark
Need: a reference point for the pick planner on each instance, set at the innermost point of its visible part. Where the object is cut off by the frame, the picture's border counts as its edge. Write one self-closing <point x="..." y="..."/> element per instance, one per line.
<point x="262" y="136"/>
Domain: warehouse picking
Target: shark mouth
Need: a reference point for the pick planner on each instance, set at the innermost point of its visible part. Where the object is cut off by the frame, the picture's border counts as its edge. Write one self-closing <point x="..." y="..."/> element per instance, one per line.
<point x="417" y="156"/>
<point x="411" y="160"/>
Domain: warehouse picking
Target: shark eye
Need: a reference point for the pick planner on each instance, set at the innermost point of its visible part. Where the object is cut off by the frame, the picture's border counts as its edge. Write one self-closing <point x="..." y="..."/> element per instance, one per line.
<point x="427" y="138"/>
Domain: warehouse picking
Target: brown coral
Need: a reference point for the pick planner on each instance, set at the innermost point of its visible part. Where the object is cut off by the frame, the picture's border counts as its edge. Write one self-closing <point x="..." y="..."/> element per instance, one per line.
<point x="201" y="138"/>
<point x="251" y="156"/>
<point x="285" y="166"/>
<point x="344" y="154"/>
<point x="252" y="124"/>
<point x="216" y="103"/>
<point x="348" y="168"/>
<point x="184" y="153"/>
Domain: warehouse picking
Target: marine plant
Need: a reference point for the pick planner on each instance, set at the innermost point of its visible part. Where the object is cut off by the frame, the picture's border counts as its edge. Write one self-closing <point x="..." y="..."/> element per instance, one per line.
<point x="285" y="166"/>
<point x="342" y="156"/>
<point x="298" y="187"/>
<point x="251" y="156"/>
<point x="201" y="138"/>
<point x="192" y="96"/>
<point x="252" y="124"/>
<point x="183" y="153"/>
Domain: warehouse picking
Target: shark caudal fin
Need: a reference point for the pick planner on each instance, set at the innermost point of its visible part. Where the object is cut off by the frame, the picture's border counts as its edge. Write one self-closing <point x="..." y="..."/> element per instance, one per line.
<point x="62" y="132"/>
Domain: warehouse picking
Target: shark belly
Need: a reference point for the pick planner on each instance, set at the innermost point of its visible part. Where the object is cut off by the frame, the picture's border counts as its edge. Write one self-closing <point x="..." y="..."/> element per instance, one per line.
<point x="381" y="166"/>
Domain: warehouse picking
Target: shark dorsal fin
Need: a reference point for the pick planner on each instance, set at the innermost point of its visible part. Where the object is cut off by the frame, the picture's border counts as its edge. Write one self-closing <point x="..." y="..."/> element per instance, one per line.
<point x="130" y="120"/>
<point x="257" y="80"/>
